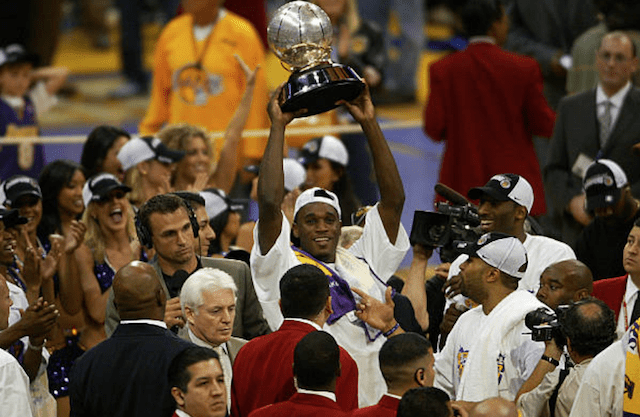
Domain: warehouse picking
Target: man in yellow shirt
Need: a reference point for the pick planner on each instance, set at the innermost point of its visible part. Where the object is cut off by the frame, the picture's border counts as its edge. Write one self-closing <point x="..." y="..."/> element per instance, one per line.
<point x="196" y="78"/>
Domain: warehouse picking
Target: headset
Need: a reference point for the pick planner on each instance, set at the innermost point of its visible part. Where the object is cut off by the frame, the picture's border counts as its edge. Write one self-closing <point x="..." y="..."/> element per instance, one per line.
<point x="144" y="234"/>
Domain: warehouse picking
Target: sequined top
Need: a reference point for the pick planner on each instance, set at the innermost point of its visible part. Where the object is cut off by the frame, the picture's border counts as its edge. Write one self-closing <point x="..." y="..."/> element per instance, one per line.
<point x="105" y="272"/>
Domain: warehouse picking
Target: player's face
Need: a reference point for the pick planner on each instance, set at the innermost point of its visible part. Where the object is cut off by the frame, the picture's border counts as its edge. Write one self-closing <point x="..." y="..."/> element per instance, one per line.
<point x="631" y="252"/>
<point x="15" y="79"/>
<point x="206" y="395"/>
<point x="172" y="236"/>
<point x="111" y="163"/>
<point x="497" y="216"/>
<point x="554" y="290"/>
<point x="317" y="225"/>
<point x="70" y="196"/>
<point x="472" y="273"/>
<point x="213" y="320"/>
<point x="616" y="63"/>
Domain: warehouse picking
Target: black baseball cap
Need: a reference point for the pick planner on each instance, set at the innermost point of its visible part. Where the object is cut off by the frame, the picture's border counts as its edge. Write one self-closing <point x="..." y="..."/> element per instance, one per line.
<point x="15" y="54"/>
<point x="99" y="186"/>
<point x="602" y="183"/>
<point x="19" y="186"/>
<point x="505" y="187"/>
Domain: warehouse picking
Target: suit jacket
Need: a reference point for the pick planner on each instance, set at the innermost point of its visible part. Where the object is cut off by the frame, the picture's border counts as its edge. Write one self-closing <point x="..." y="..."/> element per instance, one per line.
<point x="126" y="375"/>
<point x="611" y="291"/>
<point x="577" y="131"/>
<point x="249" y="321"/>
<point x="263" y="373"/>
<point x="540" y="30"/>
<point x="487" y="103"/>
<point x="302" y="405"/>
<point x="386" y="407"/>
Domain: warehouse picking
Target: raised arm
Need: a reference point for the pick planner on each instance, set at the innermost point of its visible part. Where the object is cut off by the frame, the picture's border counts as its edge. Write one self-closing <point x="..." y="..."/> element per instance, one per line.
<point x="271" y="177"/>
<point x="225" y="173"/>
<point x="387" y="175"/>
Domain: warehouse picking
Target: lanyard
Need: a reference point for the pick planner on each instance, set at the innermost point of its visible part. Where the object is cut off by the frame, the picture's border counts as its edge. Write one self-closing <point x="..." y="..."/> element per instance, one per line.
<point x="200" y="57"/>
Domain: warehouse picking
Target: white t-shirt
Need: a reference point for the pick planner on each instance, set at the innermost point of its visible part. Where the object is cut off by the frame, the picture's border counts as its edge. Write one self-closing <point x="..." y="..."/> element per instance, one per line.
<point x="14" y="388"/>
<point x="381" y="257"/>
<point x="542" y="251"/>
<point x="512" y="366"/>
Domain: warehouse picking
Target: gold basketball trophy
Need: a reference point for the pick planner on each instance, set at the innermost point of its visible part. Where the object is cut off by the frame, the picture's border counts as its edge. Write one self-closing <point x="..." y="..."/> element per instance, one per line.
<point x="300" y="35"/>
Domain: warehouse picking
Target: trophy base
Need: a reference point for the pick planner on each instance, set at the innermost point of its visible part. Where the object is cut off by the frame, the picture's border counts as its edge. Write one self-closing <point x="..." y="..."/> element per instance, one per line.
<point x="317" y="89"/>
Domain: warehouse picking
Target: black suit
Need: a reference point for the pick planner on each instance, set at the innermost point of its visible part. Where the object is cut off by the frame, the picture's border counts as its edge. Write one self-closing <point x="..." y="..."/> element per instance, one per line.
<point x="126" y="375"/>
<point x="577" y="131"/>
<point x="249" y="321"/>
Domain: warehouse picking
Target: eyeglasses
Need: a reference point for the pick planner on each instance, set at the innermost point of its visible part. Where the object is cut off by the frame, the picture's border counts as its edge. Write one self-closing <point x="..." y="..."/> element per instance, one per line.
<point x="617" y="58"/>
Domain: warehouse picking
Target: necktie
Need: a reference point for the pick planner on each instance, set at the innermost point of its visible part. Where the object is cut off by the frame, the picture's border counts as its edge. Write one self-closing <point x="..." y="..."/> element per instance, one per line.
<point x="227" y="369"/>
<point x="605" y="124"/>
<point x="635" y="314"/>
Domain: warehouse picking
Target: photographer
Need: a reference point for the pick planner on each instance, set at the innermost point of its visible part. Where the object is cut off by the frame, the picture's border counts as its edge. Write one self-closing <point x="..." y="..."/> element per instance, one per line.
<point x="589" y="327"/>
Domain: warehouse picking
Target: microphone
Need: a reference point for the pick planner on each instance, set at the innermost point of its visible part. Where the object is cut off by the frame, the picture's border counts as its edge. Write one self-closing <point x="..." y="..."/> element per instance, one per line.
<point x="451" y="194"/>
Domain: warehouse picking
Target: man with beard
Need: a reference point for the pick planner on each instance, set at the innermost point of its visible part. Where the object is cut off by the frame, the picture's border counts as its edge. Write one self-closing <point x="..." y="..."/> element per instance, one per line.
<point x="505" y="202"/>
<point x="609" y="198"/>
<point x="489" y="353"/>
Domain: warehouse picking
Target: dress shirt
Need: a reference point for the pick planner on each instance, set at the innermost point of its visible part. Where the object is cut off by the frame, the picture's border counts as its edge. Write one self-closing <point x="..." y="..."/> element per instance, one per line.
<point x="181" y="413"/>
<point x="225" y="362"/>
<point x="146" y="321"/>
<point x="616" y="103"/>
<point x="327" y="394"/>
<point x="630" y="297"/>
<point x="479" y="39"/>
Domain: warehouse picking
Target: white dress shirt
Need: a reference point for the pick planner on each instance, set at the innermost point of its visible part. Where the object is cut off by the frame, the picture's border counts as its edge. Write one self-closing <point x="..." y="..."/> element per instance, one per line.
<point x="616" y="102"/>
<point x="629" y="300"/>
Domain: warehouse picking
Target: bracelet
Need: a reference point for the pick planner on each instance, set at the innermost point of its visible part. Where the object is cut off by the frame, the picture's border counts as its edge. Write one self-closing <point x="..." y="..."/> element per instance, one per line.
<point x="552" y="361"/>
<point x="390" y="331"/>
<point x="33" y="347"/>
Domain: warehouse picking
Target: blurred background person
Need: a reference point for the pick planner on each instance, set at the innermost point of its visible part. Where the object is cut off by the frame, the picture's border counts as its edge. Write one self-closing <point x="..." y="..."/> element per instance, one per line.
<point x="100" y="151"/>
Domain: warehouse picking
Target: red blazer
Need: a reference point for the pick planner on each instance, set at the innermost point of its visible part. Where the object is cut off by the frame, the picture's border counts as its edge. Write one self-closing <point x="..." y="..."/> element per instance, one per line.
<point x="486" y="104"/>
<point x="611" y="291"/>
<point x="263" y="371"/>
<point x="386" y="407"/>
<point x="302" y="405"/>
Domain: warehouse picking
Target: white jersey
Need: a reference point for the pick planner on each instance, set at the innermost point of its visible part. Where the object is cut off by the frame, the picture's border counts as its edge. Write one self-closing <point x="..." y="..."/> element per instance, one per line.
<point x="542" y="252"/>
<point x="14" y="388"/>
<point x="381" y="259"/>
<point x="489" y="355"/>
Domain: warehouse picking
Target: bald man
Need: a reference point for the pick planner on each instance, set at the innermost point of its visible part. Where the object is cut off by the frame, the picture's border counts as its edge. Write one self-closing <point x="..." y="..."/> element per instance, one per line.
<point x="565" y="282"/>
<point x="126" y="375"/>
<point x="494" y="407"/>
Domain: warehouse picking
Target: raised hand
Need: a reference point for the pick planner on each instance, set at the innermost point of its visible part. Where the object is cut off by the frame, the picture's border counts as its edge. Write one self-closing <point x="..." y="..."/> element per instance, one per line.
<point x="361" y="107"/>
<point x="49" y="264"/>
<point x="76" y="236"/>
<point x="38" y="319"/>
<point x="375" y="313"/>
<point x="249" y="75"/>
<point x="277" y="116"/>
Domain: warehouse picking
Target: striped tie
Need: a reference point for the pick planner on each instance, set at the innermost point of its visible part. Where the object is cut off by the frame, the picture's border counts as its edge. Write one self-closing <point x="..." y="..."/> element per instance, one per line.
<point x="605" y="124"/>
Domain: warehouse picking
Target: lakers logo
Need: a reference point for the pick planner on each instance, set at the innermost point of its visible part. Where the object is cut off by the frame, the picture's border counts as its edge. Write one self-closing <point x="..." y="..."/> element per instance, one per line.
<point x="194" y="85"/>
<point x="462" y="360"/>
<point x="500" y="361"/>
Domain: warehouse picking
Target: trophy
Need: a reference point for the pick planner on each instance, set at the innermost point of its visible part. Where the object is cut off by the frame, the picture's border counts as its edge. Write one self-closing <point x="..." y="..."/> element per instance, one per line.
<point x="300" y="35"/>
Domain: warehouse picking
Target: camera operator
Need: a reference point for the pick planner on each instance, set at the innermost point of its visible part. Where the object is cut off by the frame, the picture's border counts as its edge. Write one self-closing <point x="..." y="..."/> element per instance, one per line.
<point x="505" y="202"/>
<point x="588" y="326"/>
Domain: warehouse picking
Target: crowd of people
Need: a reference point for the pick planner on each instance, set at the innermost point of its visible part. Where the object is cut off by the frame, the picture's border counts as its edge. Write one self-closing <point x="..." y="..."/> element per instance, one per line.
<point x="130" y="284"/>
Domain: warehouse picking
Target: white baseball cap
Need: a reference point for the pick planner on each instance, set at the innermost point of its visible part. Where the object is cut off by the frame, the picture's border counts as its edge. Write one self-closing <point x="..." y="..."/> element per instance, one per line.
<point x="317" y="195"/>
<point x="328" y="147"/>
<point x="144" y="148"/>
<point x="498" y="250"/>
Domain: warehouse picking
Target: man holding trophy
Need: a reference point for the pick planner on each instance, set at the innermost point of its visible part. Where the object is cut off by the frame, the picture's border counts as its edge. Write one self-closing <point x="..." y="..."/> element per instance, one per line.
<point x="362" y="310"/>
